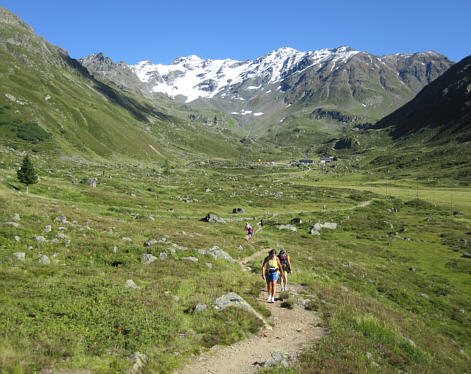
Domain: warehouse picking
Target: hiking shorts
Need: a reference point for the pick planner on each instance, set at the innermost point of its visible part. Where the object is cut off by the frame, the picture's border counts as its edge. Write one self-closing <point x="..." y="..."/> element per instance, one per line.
<point x="272" y="276"/>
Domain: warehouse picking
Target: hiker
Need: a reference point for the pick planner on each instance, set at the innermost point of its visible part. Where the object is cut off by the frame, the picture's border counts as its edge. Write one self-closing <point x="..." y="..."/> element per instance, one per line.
<point x="249" y="231"/>
<point x="260" y="225"/>
<point x="270" y="273"/>
<point x="285" y="262"/>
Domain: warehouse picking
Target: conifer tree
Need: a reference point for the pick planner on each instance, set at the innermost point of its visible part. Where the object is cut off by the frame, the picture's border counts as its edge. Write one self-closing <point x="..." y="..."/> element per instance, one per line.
<point x="26" y="174"/>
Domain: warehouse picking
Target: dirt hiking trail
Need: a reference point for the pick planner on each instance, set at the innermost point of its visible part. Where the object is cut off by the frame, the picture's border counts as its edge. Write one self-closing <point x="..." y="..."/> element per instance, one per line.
<point x="292" y="330"/>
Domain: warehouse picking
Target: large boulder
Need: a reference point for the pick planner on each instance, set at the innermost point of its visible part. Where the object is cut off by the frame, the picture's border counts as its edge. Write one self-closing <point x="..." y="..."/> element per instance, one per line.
<point x="212" y="218"/>
<point x="233" y="300"/>
<point x="216" y="253"/>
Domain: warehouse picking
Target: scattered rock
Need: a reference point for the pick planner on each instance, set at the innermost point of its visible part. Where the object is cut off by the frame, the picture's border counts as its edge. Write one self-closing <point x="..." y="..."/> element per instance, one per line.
<point x="16" y="217"/>
<point x="238" y="210"/>
<point x="62" y="236"/>
<point x="40" y="239"/>
<point x="44" y="260"/>
<point x="139" y="360"/>
<point x="240" y="248"/>
<point x="148" y="258"/>
<point x="207" y="190"/>
<point x="115" y="249"/>
<point x="67" y="243"/>
<point x="233" y="300"/>
<point x="20" y="256"/>
<point x="277" y="358"/>
<point x="130" y="284"/>
<point x="216" y="253"/>
<point x="425" y="295"/>
<point x="344" y="288"/>
<point x="153" y="241"/>
<point x="17" y="238"/>
<point x="212" y="218"/>
<point x="287" y="227"/>
<point x="200" y="307"/>
<point x="192" y="259"/>
<point x="61" y="218"/>
<point x="91" y="182"/>
<point x="14" y="224"/>
<point x="209" y="265"/>
<point x="150" y="218"/>
<point x="176" y="299"/>
<point x="126" y="239"/>
<point x="48" y="228"/>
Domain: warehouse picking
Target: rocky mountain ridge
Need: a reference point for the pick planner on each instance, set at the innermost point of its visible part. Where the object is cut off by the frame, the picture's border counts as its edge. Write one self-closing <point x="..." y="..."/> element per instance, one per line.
<point x="264" y="89"/>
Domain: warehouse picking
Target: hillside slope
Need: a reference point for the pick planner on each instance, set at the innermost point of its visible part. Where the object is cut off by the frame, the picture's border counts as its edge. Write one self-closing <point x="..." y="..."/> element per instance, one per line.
<point x="443" y="108"/>
<point x="50" y="102"/>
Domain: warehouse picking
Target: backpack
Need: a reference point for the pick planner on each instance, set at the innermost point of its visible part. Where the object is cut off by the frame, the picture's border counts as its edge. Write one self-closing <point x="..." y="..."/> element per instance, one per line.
<point x="284" y="260"/>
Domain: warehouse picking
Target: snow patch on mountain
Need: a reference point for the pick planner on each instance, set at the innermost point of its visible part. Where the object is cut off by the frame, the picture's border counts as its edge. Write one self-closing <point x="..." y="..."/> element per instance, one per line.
<point x="194" y="77"/>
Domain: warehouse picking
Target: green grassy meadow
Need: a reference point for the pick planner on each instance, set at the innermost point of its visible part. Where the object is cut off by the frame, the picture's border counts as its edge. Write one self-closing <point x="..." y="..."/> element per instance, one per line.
<point x="390" y="283"/>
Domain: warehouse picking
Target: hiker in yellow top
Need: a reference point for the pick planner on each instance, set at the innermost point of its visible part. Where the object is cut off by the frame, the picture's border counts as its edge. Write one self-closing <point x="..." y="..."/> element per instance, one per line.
<point x="270" y="272"/>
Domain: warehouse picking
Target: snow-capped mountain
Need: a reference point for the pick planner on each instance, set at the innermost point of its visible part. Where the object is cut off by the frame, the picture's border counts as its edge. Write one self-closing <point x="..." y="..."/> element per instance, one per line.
<point x="193" y="77"/>
<point x="358" y="84"/>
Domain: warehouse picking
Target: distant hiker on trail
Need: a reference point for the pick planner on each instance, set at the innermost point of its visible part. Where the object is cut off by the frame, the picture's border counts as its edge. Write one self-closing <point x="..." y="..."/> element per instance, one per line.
<point x="285" y="262"/>
<point x="260" y="225"/>
<point x="249" y="231"/>
<point x="270" y="273"/>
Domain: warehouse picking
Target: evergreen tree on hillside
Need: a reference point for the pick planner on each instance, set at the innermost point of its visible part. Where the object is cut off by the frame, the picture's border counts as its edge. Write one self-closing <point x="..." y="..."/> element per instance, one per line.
<point x="26" y="174"/>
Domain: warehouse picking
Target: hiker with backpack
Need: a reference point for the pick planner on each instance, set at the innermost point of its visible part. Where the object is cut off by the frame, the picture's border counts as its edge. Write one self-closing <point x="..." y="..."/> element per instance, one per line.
<point x="270" y="273"/>
<point x="285" y="262"/>
<point x="249" y="231"/>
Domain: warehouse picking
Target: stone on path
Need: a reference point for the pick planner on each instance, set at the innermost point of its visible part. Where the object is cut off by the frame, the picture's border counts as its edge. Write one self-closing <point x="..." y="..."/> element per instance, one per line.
<point x="277" y="358"/>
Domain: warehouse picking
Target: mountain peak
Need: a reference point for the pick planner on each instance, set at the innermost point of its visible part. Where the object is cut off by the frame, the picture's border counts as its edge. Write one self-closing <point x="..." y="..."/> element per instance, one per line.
<point x="8" y="17"/>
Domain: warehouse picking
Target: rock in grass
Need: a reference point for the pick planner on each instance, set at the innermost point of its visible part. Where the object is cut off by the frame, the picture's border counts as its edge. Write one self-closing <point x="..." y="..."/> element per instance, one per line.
<point x="192" y="259"/>
<point x="200" y="307"/>
<point x="287" y="227"/>
<point x="130" y="284"/>
<point x="212" y="218"/>
<point x="466" y="255"/>
<point x="48" y="228"/>
<point x="139" y="360"/>
<point x="40" y="239"/>
<point x="216" y="253"/>
<point x="209" y="265"/>
<point x="91" y="182"/>
<point x="14" y="224"/>
<point x="44" y="260"/>
<point x="17" y="238"/>
<point x="126" y="239"/>
<point x="61" y="219"/>
<point x="277" y="358"/>
<point x="148" y="258"/>
<point x="20" y="256"/>
<point x="16" y="217"/>
<point x="152" y="241"/>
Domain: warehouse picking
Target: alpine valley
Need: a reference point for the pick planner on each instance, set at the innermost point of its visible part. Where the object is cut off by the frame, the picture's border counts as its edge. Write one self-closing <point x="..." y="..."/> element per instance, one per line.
<point x="125" y="190"/>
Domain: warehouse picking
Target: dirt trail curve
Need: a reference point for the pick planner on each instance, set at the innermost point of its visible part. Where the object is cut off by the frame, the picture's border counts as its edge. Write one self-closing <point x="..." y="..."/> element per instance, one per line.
<point x="292" y="330"/>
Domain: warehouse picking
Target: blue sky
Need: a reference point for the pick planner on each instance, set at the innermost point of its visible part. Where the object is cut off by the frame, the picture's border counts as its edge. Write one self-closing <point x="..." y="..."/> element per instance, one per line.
<point x="159" y="31"/>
